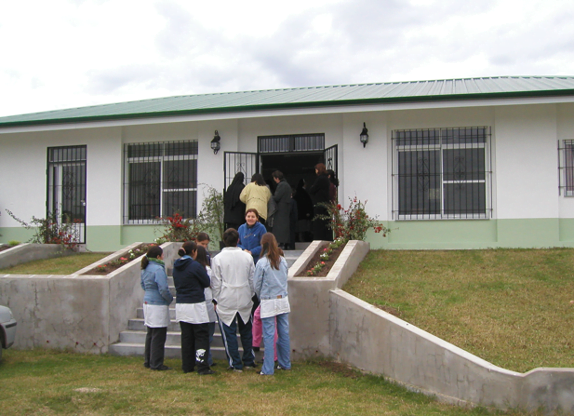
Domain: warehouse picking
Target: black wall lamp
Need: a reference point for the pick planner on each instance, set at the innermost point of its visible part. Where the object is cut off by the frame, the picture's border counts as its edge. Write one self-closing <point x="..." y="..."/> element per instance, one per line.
<point x="364" y="135"/>
<point x="215" y="146"/>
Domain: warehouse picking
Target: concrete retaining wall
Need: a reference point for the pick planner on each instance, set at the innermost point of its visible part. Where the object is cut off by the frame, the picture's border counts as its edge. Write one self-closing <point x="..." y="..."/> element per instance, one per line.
<point x="338" y="325"/>
<point x="26" y="252"/>
<point x="81" y="312"/>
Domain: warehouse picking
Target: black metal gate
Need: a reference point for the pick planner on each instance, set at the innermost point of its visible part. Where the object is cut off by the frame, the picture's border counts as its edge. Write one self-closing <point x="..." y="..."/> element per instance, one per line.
<point x="235" y="162"/>
<point x="330" y="155"/>
<point x="66" y="194"/>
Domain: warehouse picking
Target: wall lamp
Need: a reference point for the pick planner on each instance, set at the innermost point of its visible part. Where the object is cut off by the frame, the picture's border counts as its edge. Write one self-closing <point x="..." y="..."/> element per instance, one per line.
<point x="364" y="137"/>
<point x="215" y="146"/>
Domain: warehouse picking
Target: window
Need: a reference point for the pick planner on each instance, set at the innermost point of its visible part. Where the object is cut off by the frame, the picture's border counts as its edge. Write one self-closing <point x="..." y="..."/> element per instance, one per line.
<point x="292" y="143"/>
<point x="160" y="180"/>
<point x="566" y="165"/>
<point x="441" y="173"/>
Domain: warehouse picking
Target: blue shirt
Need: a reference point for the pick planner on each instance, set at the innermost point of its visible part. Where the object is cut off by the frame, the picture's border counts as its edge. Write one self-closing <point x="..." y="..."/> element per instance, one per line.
<point x="154" y="282"/>
<point x="269" y="282"/>
<point x="250" y="238"/>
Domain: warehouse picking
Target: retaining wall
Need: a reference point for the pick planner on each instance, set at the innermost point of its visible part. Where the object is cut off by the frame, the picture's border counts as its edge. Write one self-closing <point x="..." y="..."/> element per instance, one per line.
<point x="26" y="252"/>
<point x="81" y="312"/>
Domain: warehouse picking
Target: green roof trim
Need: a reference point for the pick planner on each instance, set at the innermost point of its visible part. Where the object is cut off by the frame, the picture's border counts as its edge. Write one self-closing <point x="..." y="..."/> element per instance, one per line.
<point x="290" y="98"/>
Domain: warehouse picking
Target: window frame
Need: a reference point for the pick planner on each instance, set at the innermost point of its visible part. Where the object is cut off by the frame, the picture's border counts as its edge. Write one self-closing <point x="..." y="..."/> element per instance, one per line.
<point x="440" y="146"/>
<point x="566" y="168"/>
<point x="163" y="158"/>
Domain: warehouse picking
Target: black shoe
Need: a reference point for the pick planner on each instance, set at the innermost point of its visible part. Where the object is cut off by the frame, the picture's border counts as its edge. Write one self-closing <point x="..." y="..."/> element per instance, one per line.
<point x="146" y="365"/>
<point x="256" y="349"/>
<point x="161" y="368"/>
<point x="206" y="372"/>
<point x="213" y="365"/>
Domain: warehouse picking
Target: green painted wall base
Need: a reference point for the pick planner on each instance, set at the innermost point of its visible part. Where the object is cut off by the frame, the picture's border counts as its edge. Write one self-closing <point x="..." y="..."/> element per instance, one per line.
<point x="411" y="235"/>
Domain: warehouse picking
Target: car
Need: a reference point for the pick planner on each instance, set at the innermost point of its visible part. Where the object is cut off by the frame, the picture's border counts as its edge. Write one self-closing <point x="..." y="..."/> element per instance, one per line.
<point x="7" y="328"/>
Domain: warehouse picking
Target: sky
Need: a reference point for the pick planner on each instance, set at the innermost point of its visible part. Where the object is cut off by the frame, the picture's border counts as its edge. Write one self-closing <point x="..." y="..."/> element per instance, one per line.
<point x="73" y="53"/>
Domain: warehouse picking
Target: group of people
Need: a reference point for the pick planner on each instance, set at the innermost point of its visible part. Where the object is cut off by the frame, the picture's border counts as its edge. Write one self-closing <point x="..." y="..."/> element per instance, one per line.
<point x="249" y="270"/>
<point x="284" y="211"/>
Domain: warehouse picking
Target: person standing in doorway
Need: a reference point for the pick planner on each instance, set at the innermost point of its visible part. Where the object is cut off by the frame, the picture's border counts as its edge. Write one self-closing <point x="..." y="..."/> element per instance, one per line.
<point x="282" y="199"/>
<point x="232" y="288"/>
<point x="233" y="208"/>
<point x="320" y="194"/>
<point x="256" y="195"/>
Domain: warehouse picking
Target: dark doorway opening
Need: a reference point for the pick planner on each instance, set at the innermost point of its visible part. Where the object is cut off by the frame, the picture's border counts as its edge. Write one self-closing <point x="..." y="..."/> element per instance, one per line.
<point x="295" y="166"/>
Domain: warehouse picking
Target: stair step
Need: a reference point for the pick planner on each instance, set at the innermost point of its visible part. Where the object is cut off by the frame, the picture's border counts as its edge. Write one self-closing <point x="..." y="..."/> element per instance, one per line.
<point x="171" y="351"/>
<point x="173" y="338"/>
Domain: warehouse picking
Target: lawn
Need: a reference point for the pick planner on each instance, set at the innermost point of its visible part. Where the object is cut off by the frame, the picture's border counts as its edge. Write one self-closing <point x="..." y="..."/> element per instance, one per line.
<point x="60" y="265"/>
<point x="513" y="308"/>
<point x="48" y="382"/>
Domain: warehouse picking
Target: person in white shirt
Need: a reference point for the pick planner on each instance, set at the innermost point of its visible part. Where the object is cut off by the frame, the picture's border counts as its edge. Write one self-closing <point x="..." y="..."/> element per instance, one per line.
<point x="232" y="287"/>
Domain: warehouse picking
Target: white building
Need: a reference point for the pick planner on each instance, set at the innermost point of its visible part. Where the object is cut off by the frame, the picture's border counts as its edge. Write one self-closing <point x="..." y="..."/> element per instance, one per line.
<point x="464" y="163"/>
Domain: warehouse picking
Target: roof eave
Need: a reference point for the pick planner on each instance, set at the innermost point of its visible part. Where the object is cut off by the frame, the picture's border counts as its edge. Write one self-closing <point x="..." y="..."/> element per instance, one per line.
<point x="262" y="107"/>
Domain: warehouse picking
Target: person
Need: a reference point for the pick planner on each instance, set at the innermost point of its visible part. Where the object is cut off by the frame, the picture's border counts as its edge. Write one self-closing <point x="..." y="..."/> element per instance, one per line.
<point x="256" y="195"/>
<point x="233" y="207"/>
<point x="282" y="198"/>
<point x="319" y="192"/>
<point x="232" y="286"/>
<point x="304" y="211"/>
<point x="270" y="283"/>
<point x="157" y="298"/>
<point x="190" y="280"/>
<point x="250" y="234"/>
<point x="333" y="185"/>
<point x="293" y="216"/>
<point x="203" y="240"/>
<point x="203" y="259"/>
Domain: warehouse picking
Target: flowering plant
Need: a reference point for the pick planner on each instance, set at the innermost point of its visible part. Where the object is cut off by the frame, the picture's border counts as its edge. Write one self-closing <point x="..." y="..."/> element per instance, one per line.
<point x="178" y="229"/>
<point x="124" y="258"/>
<point x="352" y="223"/>
<point x="314" y="270"/>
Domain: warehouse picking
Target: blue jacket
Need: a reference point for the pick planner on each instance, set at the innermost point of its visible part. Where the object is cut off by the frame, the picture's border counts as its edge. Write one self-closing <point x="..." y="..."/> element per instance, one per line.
<point x="154" y="283"/>
<point x="269" y="282"/>
<point x="250" y="238"/>
<point x="190" y="279"/>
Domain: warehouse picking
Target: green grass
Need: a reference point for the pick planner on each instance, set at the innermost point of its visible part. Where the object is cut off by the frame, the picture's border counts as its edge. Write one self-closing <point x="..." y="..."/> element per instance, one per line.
<point x="61" y="265"/>
<point x="46" y="382"/>
<point x="509" y="307"/>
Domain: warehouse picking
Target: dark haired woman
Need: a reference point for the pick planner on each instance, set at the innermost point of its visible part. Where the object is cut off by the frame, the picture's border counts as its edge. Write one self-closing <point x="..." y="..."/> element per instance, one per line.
<point x="270" y="282"/>
<point x="250" y="234"/>
<point x="155" y="307"/>
<point x="203" y="259"/>
<point x="256" y="195"/>
<point x="333" y="185"/>
<point x="320" y="194"/>
<point x="190" y="280"/>
<point x="281" y="221"/>
<point x="234" y="209"/>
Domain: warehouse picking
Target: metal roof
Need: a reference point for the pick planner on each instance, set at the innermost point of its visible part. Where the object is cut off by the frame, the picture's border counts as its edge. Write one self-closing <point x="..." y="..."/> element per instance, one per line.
<point x="387" y="92"/>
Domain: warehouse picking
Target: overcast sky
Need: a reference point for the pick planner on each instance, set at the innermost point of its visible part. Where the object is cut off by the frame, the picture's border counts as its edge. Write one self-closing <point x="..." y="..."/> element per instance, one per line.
<point x="62" y="53"/>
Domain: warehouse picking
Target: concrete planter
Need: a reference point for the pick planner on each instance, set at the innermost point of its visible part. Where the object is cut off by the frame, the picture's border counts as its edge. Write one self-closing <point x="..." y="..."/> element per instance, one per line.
<point x="23" y="253"/>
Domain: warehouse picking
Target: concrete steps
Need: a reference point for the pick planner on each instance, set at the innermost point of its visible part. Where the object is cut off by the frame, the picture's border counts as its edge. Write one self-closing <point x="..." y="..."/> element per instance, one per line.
<point x="132" y="341"/>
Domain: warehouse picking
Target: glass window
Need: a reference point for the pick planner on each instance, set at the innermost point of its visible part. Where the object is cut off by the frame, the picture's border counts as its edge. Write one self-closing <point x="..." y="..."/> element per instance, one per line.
<point x="441" y="173"/>
<point x="161" y="179"/>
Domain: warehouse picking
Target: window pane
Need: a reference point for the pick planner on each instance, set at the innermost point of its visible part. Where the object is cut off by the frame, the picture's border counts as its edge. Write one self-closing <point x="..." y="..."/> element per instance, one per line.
<point x="180" y="174"/>
<point x="73" y="191"/>
<point x="180" y="148"/>
<point x="464" y="164"/>
<point x="465" y="198"/>
<point x="144" y="190"/>
<point x="417" y="137"/>
<point x="419" y="182"/>
<point x="464" y="135"/>
<point x="145" y="150"/>
<point x="182" y="202"/>
<point x="569" y="167"/>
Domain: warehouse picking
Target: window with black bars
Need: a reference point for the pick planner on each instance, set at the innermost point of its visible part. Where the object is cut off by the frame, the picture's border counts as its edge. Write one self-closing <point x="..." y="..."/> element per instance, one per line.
<point x="292" y="143"/>
<point x="566" y="168"/>
<point x="442" y="173"/>
<point x="160" y="180"/>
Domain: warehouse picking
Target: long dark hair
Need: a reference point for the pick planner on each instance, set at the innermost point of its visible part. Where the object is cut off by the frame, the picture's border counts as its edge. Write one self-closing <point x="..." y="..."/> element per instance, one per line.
<point x="270" y="249"/>
<point x="258" y="179"/>
<point x="152" y="253"/>
<point x="201" y="257"/>
<point x="188" y="248"/>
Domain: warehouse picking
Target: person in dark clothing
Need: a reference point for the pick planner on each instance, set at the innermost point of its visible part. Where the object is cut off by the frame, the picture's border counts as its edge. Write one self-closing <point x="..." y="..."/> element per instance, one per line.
<point x="234" y="209"/>
<point x="282" y="198"/>
<point x="320" y="194"/>
<point x="293" y="214"/>
<point x="304" y="212"/>
<point x="191" y="279"/>
<point x="333" y="197"/>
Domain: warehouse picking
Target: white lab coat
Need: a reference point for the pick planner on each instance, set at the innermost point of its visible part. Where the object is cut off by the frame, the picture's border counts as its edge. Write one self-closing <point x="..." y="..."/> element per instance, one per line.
<point x="232" y="284"/>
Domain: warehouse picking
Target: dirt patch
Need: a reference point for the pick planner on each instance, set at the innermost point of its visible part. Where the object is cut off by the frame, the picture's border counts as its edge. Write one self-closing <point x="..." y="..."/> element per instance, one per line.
<point x="119" y="261"/>
<point x="328" y="263"/>
<point x="340" y="368"/>
<point x="391" y="310"/>
<point x="2" y="248"/>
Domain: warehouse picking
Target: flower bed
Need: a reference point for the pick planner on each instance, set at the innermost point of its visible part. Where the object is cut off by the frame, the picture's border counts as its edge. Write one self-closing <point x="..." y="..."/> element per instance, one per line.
<point x="321" y="263"/>
<point x="120" y="260"/>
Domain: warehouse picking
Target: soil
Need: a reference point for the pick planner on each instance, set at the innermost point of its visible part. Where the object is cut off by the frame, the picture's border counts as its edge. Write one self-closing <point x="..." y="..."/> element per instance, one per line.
<point x="2" y="248"/>
<point x="328" y="263"/>
<point x="113" y="264"/>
